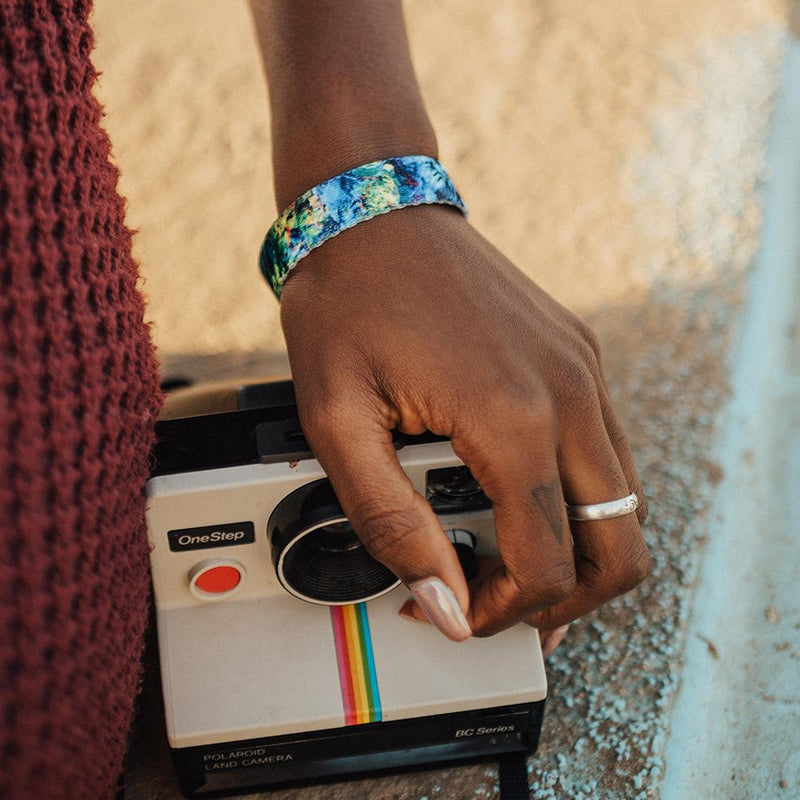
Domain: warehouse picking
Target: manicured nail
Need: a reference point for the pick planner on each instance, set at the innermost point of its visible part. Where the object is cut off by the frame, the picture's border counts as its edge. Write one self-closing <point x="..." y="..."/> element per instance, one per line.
<point x="440" y="606"/>
<point x="553" y="639"/>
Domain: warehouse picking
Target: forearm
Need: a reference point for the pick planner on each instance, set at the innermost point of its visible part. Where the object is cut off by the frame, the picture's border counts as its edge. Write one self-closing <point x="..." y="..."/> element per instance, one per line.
<point x="342" y="88"/>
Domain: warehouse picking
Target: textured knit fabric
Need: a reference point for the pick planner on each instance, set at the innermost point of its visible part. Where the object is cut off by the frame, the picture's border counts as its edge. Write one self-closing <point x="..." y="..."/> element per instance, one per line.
<point x="78" y="398"/>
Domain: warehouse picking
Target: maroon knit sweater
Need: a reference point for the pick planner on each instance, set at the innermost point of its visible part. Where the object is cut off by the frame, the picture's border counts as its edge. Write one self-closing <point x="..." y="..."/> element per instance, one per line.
<point x="78" y="399"/>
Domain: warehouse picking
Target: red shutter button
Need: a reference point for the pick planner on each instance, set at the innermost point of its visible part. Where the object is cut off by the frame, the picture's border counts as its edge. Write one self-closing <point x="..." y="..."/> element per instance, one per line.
<point x="214" y="579"/>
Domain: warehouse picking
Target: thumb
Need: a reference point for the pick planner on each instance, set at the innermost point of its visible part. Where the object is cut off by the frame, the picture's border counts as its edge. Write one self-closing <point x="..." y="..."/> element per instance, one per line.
<point x="392" y="520"/>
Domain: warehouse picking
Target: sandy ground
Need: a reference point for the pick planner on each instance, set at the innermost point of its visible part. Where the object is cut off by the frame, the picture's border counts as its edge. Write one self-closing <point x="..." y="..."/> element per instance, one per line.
<point x="572" y="129"/>
<point x="615" y="151"/>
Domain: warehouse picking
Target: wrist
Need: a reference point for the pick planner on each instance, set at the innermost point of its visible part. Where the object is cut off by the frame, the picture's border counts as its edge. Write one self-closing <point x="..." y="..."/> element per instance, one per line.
<point x="346" y="200"/>
<point x="367" y="256"/>
<point x="305" y="159"/>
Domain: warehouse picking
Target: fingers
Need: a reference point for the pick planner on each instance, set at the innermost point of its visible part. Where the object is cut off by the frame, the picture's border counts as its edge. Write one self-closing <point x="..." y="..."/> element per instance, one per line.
<point x="619" y="441"/>
<point x="610" y="555"/>
<point x="533" y="537"/>
<point x="550" y="640"/>
<point x="394" y="522"/>
<point x="551" y="572"/>
<point x="545" y="577"/>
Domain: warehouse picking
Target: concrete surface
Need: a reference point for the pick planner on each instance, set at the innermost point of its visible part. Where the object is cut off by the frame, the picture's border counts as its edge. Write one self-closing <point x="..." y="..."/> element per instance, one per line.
<point x="735" y="730"/>
<point x="617" y="152"/>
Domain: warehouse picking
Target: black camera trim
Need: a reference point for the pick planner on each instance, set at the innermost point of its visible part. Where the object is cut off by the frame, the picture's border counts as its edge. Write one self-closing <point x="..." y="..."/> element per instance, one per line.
<point x="264" y="429"/>
<point x="316" y="757"/>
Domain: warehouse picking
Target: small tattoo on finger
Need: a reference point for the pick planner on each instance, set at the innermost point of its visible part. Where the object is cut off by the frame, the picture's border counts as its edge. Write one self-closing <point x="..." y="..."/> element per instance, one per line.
<point x="550" y="501"/>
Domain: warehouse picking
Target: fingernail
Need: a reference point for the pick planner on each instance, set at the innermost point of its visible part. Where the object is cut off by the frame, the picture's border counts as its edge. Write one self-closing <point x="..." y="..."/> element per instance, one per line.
<point x="553" y="640"/>
<point x="440" y="606"/>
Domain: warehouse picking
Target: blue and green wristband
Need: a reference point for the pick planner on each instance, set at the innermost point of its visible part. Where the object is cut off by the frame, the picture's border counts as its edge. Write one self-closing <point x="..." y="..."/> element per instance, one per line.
<point x="347" y="199"/>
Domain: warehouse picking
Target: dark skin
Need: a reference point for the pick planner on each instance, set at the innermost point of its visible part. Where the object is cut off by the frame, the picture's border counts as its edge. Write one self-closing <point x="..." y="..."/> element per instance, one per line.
<point x="414" y="321"/>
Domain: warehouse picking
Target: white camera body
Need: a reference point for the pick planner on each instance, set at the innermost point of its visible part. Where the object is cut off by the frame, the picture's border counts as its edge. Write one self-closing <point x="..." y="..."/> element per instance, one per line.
<point x="262" y="688"/>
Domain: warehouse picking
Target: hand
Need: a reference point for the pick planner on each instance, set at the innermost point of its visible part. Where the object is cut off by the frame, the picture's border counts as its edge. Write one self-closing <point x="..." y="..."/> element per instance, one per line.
<point x="412" y="320"/>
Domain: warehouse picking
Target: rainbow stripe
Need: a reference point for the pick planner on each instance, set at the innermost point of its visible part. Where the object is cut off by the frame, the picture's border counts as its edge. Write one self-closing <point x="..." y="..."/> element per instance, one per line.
<point x="359" y="683"/>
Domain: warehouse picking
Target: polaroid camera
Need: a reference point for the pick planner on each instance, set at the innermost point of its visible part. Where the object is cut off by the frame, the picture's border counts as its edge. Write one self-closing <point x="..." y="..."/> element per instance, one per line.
<point x="283" y="658"/>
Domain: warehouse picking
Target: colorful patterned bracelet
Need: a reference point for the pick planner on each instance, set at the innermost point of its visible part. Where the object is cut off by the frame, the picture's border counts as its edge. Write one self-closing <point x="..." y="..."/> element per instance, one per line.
<point x="342" y="202"/>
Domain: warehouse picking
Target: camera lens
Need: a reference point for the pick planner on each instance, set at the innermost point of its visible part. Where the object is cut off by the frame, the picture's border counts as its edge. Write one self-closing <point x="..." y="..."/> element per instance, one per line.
<point x="454" y="489"/>
<point x="316" y="553"/>
<point x="337" y="537"/>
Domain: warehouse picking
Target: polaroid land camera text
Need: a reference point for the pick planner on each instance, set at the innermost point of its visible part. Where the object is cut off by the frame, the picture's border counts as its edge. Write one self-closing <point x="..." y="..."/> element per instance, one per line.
<point x="261" y="583"/>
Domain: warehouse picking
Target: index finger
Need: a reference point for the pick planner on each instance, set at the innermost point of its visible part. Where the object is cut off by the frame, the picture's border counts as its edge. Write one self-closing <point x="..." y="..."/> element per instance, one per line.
<point x="395" y="523"/>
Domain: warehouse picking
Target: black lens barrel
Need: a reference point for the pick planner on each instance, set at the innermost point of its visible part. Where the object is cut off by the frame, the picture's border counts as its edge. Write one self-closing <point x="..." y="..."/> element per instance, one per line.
<point x="303" y="529"/>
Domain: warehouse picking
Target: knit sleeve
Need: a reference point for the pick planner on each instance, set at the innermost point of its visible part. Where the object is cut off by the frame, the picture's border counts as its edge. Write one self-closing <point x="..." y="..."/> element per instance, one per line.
<point x="78" y="399"/>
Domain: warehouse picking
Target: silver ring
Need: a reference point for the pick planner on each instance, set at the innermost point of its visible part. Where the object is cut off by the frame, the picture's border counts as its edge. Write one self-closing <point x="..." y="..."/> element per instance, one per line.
<point x="609" y="510"/>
